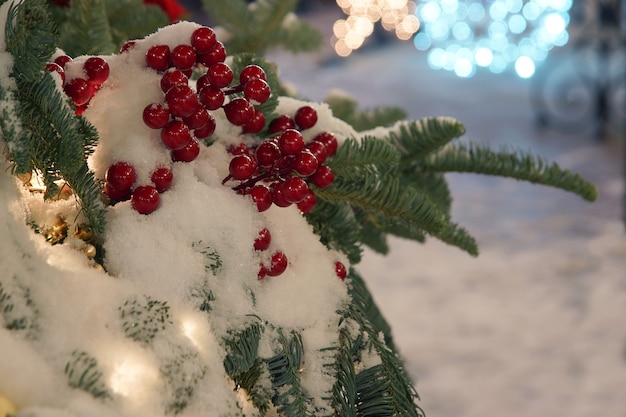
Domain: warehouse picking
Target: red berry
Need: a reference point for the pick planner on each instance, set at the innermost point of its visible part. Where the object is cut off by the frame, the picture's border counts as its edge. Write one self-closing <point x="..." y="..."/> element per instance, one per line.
<point x="198" y="118"/>
<point x="158" y="57"/>
<point x="97" y="70"/>
<point x="262" y="242"/>
<point x="120" y="176"/>
<point x="305" y="163"/>
<point x="203" y="39"/>
<point x="79" y="91"/>
<point x="216" y="54"/>
<point x="281" y="123"/>
<point x="262" y="272"/>
<point x="257" y="91"/>
<point x="145" y="199"/>
<point x="319" y="150"/>
<point x="278" y="196"/>
<point x="182" y="100"/>
<point x="329" y="140"/>
<point x="175" y="135"/>
<point x="162" y="178"/>
<point x="305" y="117"/>
<point x="183" y="56"/>
<point x="267" y="153"/>
<point x="278" y="264"/>
<point x="239" y="111"/>
<point x="308" y="202"/>
<point x="116" y="194"/>
<point x="219" y="75"/>
<point x="203" y="81"/>
<point x="323" y="177"/>
<point x="61" y="60"/>
<point x="290" y="142"/>
<point x="128" y="45"/>
<point x="295" y="189"/>
<point x="206" y="130"/>
<point x="239" y="149"/>
<point x="172" y="77"/>
<point x="242" y="167"/>
<point x="54" y="67"/>
<point x="256" y="123"/>
<point x="212" y="98"/>
<point x="262" y="197"/>
<point x="188" y="153"/>
<point x="340" y="270"/>
<point x="251" y="72"/>
<point x="156" y="115"/>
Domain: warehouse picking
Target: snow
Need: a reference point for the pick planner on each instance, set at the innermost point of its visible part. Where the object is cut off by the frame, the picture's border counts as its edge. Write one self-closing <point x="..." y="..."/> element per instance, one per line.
<point x="167" y="258"/>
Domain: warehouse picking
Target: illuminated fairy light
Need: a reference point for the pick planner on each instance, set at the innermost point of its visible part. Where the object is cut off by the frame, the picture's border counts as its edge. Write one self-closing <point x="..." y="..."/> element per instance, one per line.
<point x="396" y="16"/>
<point x="466" y="35"/>
<point x="133" y="376"/>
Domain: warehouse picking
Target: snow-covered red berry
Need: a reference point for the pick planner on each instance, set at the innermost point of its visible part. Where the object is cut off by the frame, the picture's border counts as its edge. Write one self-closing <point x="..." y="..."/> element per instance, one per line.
<point x="162" y="178"/>
<point x="145" y="199"/>
<point x="96" y="69"/>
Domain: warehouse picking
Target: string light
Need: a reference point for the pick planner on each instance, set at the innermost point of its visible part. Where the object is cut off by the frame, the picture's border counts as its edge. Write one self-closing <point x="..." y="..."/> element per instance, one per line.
<point x="463" y="36"/>
<point x="393" y="15"/>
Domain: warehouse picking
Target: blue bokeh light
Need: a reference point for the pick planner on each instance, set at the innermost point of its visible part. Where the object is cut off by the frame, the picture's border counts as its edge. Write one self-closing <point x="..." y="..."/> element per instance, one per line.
<point x="465" y="35"/>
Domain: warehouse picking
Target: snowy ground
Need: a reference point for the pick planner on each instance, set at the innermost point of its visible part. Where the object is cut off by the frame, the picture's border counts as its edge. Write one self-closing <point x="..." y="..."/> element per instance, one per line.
<point x="535" y="324"/>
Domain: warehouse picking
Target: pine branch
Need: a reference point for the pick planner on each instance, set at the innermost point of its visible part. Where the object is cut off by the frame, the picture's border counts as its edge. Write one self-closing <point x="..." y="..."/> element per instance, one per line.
<point x="480" y="159"/>
<point x="133" y="19"/>
<point x="387" y="199"/>
<point x="337" y="227"/>
<point x="418" y="138"/>
<point x="86" y="30"/>
<point x="345" y="108"/>
<point x="370" y="156"/>
<point x="344" y="389"/>
<point x="289" y="398"/>
<point x="262" y="25"/>
<point x="82" y="372"/>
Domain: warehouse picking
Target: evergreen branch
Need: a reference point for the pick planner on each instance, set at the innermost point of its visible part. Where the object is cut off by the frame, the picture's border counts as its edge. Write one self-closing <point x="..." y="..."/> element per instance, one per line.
<point x="384" y="389"/>
<point x="386" y="198"/>
<point x="284" y="368"/>
<point x="82" y="372"/>
<point x="345" y="108"/>
<point x="337" y="227"/>
<point x="257" y="27"/>
<point x="133" y="19"/>
<point x="370" y="155"/>
<point x="479" y="159"/>
<point x="242" y="350"/>
<point x="418" y="138"/>
<point x="344" y="389"/>
<point x="86" y="30"/>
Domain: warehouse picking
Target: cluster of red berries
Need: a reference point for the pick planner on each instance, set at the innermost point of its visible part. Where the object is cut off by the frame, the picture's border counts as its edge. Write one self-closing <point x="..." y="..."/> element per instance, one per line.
<point x="81" y="89"/>
<point x="184" y="116"/>
<point x="279" y="169"/>
<point x="119" y="186"/>
<point x="278" y="260"/>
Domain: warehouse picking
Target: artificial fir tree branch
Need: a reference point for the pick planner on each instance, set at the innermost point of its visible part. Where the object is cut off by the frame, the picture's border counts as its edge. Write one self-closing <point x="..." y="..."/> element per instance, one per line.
<point x="49" y="137"/>
<point x="345" y="108"/>
<point x="420" y="137"/>
<point x="338" y="228"/>
<point x="479" y="159"/>
<point x="86" y="30"/>
<point x="369" y="156"/>
<point x="262" y="25"/>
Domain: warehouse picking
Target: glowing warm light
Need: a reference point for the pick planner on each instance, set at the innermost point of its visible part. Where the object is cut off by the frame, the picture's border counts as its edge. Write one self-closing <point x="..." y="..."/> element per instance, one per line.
<point x="501" y="34"/>
<point x="132" y="375"/>
<point x="396" y="16"/>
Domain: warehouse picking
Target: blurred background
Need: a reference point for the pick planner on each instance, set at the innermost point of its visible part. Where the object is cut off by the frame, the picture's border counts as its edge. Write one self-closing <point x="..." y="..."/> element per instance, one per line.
<point x="536" y="325"/>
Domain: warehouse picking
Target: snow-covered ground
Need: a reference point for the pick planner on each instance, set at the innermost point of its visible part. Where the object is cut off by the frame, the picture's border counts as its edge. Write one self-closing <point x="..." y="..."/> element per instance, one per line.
<point x="535" y="324"/>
